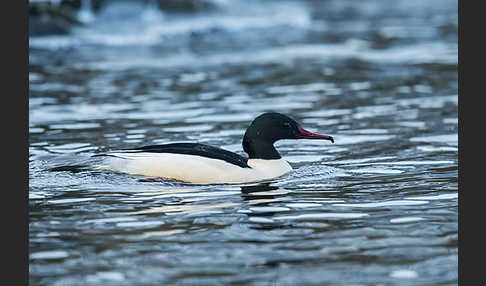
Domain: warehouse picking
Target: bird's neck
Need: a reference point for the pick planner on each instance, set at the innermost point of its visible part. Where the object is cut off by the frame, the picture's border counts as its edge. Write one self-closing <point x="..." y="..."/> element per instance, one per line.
<point x="260" y="149"/>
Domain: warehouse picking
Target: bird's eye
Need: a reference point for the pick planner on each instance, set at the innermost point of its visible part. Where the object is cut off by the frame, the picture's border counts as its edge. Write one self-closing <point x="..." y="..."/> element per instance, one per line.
<point x="287" y="125"/>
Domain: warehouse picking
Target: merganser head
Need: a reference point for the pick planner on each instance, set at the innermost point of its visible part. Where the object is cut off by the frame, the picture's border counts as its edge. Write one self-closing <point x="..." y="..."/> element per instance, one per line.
<point x="270" y="127"/>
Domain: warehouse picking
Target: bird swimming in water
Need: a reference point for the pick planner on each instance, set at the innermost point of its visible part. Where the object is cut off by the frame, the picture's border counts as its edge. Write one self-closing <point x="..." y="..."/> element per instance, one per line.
<point x="201" y="163"/>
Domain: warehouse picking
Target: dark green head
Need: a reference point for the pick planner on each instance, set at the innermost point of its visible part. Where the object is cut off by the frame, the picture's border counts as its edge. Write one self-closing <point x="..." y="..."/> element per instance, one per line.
<point x="270" y="127"/>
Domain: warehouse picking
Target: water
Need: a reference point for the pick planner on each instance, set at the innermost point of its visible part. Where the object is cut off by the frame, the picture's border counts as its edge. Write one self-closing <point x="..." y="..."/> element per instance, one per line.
<point x="377" y="207"/>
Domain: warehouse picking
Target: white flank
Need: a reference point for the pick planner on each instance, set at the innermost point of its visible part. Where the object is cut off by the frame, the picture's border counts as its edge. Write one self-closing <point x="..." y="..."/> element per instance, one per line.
<point x="195" y="169"/>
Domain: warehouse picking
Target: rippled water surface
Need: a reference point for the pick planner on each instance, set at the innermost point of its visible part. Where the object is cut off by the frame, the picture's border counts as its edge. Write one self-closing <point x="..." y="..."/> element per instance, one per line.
<point x="377" y="207"/>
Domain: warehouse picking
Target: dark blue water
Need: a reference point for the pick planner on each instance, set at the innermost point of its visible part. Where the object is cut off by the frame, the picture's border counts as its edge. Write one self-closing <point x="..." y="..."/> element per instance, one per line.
<point x="377" y="207"/>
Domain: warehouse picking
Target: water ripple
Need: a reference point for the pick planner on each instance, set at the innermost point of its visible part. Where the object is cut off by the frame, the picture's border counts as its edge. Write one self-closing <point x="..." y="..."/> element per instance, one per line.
<point x="379" y="206"/>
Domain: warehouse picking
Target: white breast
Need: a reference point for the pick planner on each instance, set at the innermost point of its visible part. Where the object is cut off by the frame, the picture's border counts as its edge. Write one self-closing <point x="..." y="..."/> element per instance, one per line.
<point x="195" y="169"/>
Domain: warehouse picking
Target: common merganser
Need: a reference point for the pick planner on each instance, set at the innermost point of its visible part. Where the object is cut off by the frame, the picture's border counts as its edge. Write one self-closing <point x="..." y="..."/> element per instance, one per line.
<point x="201" y="163"/>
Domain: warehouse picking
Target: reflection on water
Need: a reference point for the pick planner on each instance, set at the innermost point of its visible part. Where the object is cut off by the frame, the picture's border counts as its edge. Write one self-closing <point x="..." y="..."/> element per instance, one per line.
<point x="379" y="206"/>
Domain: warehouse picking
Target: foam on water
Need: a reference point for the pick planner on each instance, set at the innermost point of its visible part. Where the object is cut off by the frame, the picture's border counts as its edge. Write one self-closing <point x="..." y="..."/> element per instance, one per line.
<point x="321" y="216"/>
<point x="360" y="71"/>
<point x="384" y="204"/>
<point x="54" y="254"/>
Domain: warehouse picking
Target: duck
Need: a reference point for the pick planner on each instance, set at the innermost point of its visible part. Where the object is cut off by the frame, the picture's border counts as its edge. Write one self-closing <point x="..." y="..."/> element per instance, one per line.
<point x="205" y="164"/>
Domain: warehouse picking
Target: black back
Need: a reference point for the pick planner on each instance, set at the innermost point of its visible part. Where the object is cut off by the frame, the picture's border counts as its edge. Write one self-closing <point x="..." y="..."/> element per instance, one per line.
<point x="258" y="141"/>
<point x="197" y="149"/>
